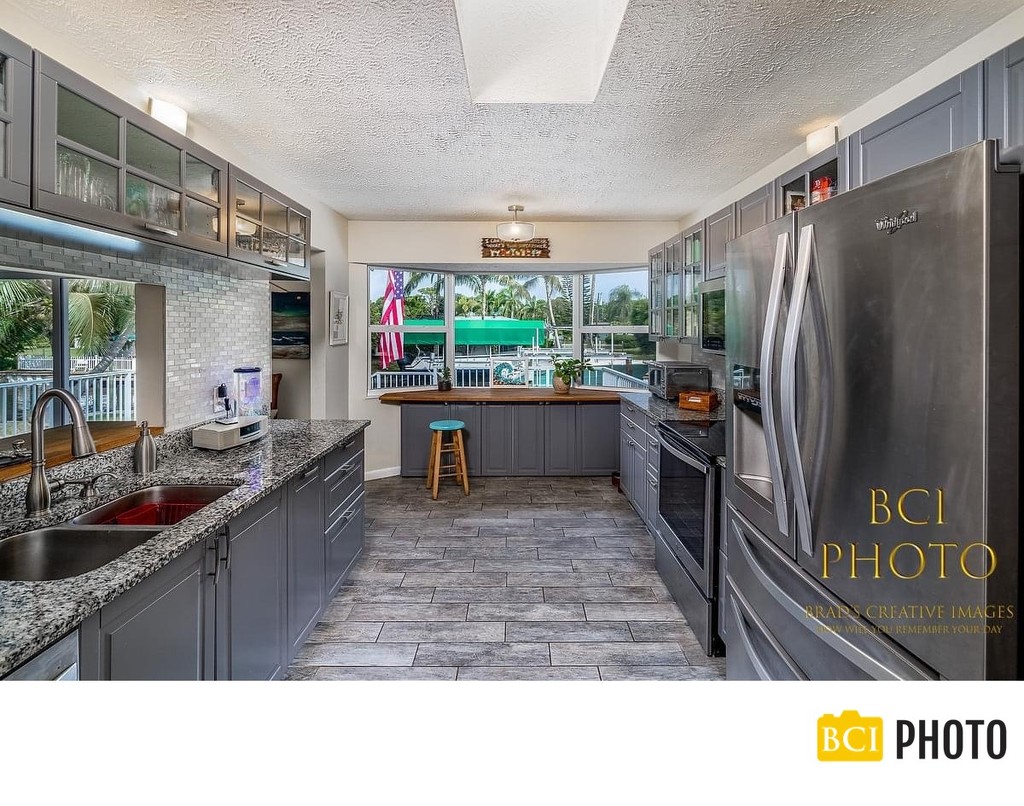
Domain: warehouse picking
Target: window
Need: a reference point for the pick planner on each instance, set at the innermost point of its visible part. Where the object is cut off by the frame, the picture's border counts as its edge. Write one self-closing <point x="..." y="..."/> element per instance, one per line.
<point x="88" y="347"/>
<point x="419" y="321"/>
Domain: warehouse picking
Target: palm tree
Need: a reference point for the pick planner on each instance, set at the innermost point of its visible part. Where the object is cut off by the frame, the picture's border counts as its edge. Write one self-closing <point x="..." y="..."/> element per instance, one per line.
<point x="430" y="285"/>
<point x="553" y="288"/>
<point x="466" y="305"/>
<point x="478" y="285"/>
<point x="619" y="307"/>
<point x="26" y="318"/>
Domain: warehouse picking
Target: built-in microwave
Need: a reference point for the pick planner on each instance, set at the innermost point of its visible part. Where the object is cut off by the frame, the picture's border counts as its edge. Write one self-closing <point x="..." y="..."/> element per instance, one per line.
<point x="712" y="315"/>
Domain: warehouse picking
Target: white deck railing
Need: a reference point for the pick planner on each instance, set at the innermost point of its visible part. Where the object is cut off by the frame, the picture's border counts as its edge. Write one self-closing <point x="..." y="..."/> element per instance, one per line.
<point x="476" y="377"/>
<point x="104" y="396"/>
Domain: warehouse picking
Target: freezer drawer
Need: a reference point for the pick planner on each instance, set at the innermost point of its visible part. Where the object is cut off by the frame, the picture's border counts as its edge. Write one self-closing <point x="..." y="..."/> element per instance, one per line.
<point x="775" y="610"/>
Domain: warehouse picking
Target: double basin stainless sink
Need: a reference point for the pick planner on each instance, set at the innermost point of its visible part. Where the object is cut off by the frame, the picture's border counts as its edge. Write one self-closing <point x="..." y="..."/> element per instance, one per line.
<point x="101" y="535"/>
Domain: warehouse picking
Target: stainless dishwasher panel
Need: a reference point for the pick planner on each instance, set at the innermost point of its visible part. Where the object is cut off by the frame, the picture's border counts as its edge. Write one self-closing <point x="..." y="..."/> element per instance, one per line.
<point x="777" y="604"/>
<point x="58" y="661"/>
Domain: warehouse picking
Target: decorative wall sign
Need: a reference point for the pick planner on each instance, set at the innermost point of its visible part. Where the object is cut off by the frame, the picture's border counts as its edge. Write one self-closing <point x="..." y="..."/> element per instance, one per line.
<point x="495" y="247"/>
<point x="289" y="329"/>
<point x="337" y="318"/>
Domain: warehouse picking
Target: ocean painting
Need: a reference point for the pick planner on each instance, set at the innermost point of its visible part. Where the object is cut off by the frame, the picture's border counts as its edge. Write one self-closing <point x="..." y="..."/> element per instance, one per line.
<point x="289" y="316"/>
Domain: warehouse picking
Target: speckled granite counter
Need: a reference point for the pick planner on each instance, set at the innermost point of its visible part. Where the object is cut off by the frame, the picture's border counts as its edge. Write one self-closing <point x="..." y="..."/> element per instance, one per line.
<point x="661" y="410"/>
<point x="34" y="614"/>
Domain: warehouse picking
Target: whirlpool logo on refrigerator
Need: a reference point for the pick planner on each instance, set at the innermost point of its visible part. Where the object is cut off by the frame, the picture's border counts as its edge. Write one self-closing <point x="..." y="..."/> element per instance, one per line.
<point x="852" y="737"/>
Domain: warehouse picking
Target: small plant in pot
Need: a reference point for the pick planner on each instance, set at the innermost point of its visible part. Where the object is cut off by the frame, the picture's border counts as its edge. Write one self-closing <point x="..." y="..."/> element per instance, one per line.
<point x="444" y="380"/>
<point x="566" y="371"/>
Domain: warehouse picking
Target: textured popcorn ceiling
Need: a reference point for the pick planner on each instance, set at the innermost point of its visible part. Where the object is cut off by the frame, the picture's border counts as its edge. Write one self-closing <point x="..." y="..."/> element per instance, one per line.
<point x="367" y="103"/>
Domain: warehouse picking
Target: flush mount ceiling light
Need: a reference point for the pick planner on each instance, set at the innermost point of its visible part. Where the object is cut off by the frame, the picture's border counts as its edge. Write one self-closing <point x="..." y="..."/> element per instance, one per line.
<point x="515" y="230"/>
<point x="170" y="115"/>
<point x="537" y="51"/>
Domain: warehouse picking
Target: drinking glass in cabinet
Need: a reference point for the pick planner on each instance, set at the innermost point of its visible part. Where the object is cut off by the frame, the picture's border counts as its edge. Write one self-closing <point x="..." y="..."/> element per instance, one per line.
<point x="275" y="245"/>
<point x="247" y="235"/>
<point x="153" y="156"/>
<point x="202" y="219"/>
<point x="86" y="179"/>
<point x="202" y="179"/>
<point x="152" y="202"/>
<point x="275" y="215"/>
<point x="247" y="201"/>
<point x="86" y="123"/>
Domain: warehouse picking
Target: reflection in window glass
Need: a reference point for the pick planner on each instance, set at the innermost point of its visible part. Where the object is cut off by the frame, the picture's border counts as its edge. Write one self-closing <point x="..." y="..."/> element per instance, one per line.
<point x="26" y="357"/>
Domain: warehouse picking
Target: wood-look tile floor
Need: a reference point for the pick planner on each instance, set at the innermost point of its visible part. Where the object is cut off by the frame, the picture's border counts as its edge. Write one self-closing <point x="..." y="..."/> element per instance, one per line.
<point x="524" y="579"/>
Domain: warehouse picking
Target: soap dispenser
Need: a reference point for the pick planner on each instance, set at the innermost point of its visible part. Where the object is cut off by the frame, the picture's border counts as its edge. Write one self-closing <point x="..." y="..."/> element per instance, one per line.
<point x="145" y="450"/>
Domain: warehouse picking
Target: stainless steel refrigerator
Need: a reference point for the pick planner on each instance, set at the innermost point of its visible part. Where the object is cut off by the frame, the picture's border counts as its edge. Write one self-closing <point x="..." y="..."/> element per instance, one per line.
<point x="872" y="384"/>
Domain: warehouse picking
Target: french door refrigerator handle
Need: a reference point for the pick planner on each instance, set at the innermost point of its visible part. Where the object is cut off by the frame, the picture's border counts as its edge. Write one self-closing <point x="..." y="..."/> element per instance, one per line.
<point x="741" y="614"/>
<point x="807" y="254"/>
<point x="768" y="339"/>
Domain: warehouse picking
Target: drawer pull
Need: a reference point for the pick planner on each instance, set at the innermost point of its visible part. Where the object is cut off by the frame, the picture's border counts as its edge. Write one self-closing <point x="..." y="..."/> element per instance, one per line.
<point x="310" y="472"/>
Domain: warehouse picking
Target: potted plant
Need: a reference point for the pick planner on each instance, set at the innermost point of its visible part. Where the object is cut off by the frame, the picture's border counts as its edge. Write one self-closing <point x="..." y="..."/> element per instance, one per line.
<point x="444" y="381"/>
<point x="566" y="371"/>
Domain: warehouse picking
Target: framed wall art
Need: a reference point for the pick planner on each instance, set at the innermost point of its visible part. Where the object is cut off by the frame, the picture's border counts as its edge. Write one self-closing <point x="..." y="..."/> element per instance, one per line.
<point x="289" y="330"/>
<point x="337" y="318"/>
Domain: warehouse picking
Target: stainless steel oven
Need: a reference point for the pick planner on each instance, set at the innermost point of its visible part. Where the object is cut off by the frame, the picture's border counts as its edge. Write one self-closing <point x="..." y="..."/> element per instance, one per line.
<point x="687" y="553"/>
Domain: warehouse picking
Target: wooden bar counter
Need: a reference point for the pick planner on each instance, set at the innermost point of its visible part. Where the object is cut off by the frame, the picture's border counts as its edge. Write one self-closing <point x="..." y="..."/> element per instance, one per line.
<point x="501" y="395"/>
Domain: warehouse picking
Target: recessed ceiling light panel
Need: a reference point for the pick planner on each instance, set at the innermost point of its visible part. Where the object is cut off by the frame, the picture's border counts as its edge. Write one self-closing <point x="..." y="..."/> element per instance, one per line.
<point x="537" y="51"/>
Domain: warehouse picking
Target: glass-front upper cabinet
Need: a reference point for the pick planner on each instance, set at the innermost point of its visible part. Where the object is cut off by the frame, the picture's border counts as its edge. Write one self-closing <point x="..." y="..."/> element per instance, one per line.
<point x="266" y="227"/>
<point x="15" y="121"/>
<point x="656" y="297"/>
<point x="101" y="160"/>
<point x="673" y="268"/>
<point x="691" y="275"/>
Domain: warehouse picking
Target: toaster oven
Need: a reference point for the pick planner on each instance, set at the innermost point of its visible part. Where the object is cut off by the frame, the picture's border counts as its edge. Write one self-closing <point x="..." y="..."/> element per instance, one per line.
<point x="667" y="379"/>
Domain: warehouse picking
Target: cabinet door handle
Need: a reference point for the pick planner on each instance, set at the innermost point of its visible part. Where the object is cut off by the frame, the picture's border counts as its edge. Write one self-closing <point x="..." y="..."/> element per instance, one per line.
<point x="348" y="515"/>
<point x="275" y="262"/>
<point x="215" y="547"/>
<point x="653" y="483"/>
<point x="310" y="472"/>
<point x="173" y="233"/>
<point x="227" y="549"/>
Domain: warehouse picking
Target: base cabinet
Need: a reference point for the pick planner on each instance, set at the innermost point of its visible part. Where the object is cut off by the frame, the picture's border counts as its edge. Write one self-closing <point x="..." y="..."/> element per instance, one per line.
<point x="162" y="629"/>
<point x="251" y="594"/>
<point x="238" y="605"/>
<point x="305" y="555"/>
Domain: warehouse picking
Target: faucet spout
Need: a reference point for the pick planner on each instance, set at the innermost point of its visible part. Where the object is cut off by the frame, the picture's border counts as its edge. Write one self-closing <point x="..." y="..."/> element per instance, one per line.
<point x="37" y="497"/>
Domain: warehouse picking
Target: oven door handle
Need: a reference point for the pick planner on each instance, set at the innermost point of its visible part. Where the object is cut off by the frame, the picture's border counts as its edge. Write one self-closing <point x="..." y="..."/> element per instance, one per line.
<point x="696" y="464"/>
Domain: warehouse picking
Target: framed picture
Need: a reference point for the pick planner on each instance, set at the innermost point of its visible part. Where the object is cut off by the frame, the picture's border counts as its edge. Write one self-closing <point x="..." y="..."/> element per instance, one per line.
<point x="289" y="328"/>
<point x="795" y="200"/>
<point x="337" y="318"/>
<point x="510" y="371"/>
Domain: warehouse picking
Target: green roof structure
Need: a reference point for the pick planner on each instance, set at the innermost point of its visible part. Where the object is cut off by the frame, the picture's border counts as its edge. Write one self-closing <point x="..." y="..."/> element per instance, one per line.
<point x="474" y="331"/>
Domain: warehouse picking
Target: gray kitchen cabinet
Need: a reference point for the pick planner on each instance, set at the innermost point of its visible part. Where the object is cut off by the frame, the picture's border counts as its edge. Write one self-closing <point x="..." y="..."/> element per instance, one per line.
<point x="754" y="210"/>
<point x="472" y="433"/>
<point x="344" y="541"/>
<point x="101" y="160"/>
<point x="626" y="464"/>
<point x="691" y="274"/>
<point x="496" y="440"/>
<point x="344" y="512"/>
<point x="416" y="435"/>
<point x="265" y="227"/>
<point x="597" y="453"/>
<point x="527" y="440"/>
<point x="815" y="180"/>
<point x="1004" y="102"/>
<point x="559" y="439"/>
<point x="160" y="629"/>
<point x="15" y="121"/>
<point x="650" y="515"/>
<point x="251" y="589"/>
<point x="641" y="488"/>
<point x="941" y="120"/>
<point x="656" y="295"/>
<point x="306" y="554"/>
<point x="720" y="228"/>
<point x="672" y="316"/>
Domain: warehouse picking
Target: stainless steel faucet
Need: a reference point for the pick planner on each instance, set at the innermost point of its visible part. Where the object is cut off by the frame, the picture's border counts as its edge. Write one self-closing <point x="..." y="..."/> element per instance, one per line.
<point x="37" y="498"/>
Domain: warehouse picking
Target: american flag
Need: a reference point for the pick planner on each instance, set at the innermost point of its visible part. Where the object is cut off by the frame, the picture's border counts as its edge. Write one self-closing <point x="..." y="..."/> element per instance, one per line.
<point x="393" y="314"/>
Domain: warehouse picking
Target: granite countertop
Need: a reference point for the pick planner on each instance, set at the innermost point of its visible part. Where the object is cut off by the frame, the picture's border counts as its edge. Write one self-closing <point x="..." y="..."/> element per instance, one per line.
<point x="35" y="614"/>
<point x="663" y="410"/>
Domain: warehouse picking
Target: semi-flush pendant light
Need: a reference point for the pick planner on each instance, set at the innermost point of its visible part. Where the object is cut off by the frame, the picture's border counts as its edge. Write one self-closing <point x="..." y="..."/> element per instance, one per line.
<point x="515" y="230"/>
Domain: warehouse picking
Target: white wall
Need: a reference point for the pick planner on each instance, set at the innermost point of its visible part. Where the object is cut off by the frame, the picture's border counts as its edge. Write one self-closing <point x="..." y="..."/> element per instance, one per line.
<point x="382" y="243"/>
<point x="976" y="49"/>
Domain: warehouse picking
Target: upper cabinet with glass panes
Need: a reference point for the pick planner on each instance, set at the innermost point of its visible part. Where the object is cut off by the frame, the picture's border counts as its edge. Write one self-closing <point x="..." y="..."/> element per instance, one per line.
<point x="15" y="121"/>
<point x="266" y="227"/>
<point x="101" y="160"/>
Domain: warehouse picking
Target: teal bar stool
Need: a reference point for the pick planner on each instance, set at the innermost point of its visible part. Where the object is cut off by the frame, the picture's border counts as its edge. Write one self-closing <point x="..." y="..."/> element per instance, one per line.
<point x="455" y="469"/>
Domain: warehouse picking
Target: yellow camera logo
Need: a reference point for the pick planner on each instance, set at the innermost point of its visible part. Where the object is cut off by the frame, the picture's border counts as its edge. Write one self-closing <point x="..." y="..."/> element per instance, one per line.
<point x="849" y="737"/>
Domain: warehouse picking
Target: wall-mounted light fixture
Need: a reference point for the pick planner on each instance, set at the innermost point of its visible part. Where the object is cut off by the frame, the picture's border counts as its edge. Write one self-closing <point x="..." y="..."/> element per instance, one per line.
<point x="170" y="115"/>
<point x="822" y="138"/>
